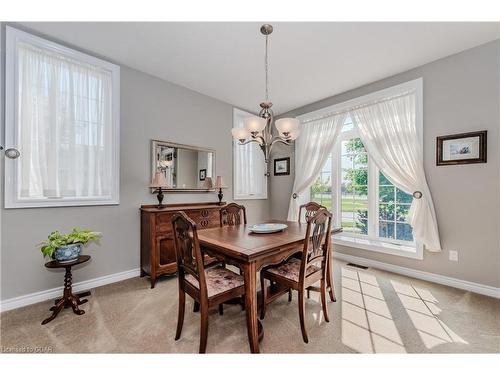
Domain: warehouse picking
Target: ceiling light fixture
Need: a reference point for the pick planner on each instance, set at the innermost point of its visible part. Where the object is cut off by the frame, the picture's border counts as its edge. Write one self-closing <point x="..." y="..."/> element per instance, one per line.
<point x="259" y="128"/>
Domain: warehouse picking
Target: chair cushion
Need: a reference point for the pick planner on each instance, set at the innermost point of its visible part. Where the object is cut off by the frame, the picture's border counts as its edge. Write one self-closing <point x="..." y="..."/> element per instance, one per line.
<point x="219" y="280"/>
<point x="291" y="269"/>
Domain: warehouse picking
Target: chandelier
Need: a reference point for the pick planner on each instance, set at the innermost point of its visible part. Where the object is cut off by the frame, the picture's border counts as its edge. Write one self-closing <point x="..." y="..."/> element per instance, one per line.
<point x="258" y="129"/>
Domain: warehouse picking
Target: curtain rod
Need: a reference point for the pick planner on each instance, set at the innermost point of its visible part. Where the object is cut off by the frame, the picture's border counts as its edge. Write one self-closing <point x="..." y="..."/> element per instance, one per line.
<point x="336" y="113"/>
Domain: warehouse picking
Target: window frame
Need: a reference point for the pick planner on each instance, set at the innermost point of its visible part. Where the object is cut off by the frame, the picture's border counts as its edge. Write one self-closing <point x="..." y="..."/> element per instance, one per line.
<point x="13" y="37"/>
<point x="371" y="241"/>
<point x="238" y="113"/>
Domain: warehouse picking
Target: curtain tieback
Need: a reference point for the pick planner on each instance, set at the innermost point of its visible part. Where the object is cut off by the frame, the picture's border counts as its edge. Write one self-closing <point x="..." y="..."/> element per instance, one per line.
<point x="294" y="195"/>
<point x="417" y="194"/>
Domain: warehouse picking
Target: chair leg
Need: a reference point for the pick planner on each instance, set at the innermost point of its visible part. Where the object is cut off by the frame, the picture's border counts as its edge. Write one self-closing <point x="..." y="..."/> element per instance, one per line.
<point x="221" y="309"/>
<point x="204" y="327"/>
<point x="180" y="317"/>
<point x="308" y="293"/>
<point x="289" y="295"/>
<point x="329" y="281"/>
<point x="332" y="294"/>
<point x="263" y="289"/>
<point x="323" y="300"/>
<point x="301" y="316"/>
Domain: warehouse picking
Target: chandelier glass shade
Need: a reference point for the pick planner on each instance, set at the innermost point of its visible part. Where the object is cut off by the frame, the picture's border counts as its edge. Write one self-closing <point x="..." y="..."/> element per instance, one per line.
<point x="258" y="129"/>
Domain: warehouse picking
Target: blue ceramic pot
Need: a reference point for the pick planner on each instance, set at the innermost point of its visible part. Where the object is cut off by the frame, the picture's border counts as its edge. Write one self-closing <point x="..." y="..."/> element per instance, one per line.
<point x="68" y="253"/>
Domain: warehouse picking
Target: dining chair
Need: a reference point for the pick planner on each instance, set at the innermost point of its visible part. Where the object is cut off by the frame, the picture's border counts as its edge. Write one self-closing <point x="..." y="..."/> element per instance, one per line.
<point x="232" y="214"/>
<point x="310" y="209"/>
<point x="208" y="287"/>
<point x="299" y="274"/>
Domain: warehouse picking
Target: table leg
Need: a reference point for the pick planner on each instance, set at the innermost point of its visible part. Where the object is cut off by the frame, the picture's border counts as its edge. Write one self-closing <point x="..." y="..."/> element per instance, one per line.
<point x="55" y="310"/>
<point x="74" y="305"/>
<point x="249" y="272"/>
<point x="68" y="299"/>
<point x="80" y="295"/>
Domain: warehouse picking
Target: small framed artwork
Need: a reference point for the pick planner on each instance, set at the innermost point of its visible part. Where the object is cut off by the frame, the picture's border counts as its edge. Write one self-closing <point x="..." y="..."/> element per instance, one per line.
<point x="282" y="167"/>
<point x="203" y="174"/>
<point x="465" y="148"/>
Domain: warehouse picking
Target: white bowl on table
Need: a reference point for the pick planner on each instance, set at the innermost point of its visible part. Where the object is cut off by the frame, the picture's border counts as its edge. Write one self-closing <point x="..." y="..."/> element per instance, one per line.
<point x="267" y="227"/>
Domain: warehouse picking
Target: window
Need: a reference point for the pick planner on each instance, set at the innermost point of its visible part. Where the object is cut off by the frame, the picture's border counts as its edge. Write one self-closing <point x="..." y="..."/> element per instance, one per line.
<point x="249" y="167"/>
<point x="370" y="209"/>
<point x="62" y="114"/>
<point x="353" y="186"/>
<point x="321" y="190"/>
<point x="393" y="207"/>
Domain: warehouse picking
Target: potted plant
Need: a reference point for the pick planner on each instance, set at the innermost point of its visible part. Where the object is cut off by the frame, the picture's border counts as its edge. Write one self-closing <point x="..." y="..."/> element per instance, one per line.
<point x="67" y="247"/>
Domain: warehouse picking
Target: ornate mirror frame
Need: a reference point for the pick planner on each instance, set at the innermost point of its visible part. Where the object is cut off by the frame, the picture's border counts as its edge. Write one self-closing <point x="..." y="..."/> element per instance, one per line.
<point x="157" y="143"/>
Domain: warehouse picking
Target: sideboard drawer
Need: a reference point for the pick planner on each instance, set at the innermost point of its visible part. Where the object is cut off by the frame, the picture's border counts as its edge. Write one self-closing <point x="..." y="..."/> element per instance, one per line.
<point x="205" y="219"/>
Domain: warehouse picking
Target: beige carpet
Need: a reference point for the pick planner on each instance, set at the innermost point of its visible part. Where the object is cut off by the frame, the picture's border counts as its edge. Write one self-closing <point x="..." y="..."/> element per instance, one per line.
<point x="376" y="312"/>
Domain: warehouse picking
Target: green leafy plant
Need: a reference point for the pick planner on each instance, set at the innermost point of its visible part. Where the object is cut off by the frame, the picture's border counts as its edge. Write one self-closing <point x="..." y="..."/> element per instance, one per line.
<point x="56" y="240"/>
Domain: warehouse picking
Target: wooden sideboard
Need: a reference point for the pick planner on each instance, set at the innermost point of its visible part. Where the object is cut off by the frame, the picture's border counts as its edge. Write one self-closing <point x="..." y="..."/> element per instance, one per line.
<point x="157" y="241"/>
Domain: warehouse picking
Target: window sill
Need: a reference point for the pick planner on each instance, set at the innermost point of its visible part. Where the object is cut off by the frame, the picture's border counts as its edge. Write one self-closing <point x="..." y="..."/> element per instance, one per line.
<point x="66" y="202"/>
<point x="250" y="197"/>
<point x="414" y="252"/>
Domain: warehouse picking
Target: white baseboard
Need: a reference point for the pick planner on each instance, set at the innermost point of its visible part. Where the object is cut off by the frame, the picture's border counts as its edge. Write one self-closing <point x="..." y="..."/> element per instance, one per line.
<point x="28" y="299"/>
<point x="44" y="295"/>
<point x="427" y="276"/>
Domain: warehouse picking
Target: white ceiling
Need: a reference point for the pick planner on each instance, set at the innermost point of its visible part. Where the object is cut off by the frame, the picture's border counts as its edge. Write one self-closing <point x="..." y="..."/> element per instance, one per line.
<point x="308" y="61"/>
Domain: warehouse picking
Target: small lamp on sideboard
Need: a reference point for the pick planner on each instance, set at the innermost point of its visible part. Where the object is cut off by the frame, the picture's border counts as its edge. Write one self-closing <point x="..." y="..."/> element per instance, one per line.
<point x="208" y="184"/>
<point x="159" y="182"/>
<point x="219" y="184"/>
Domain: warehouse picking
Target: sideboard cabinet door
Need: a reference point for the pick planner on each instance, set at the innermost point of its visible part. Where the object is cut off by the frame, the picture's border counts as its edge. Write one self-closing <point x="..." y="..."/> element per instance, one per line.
<point x="157" y="240"/>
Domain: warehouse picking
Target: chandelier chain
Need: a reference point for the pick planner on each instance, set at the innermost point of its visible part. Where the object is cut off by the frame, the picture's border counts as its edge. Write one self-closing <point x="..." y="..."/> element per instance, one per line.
<point x="267" y="68"/>
<point x="258" y="131"/>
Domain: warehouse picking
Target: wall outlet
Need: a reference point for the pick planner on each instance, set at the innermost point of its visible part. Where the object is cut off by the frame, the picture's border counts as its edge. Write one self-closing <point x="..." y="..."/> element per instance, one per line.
<point x="453" y="255"/>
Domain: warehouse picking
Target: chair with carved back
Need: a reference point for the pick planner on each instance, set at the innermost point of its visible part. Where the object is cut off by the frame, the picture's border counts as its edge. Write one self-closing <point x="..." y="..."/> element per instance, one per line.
<point x="299" y="274"/>
<point x="208" y="287"/>
<point x="232" y="214"/>
<point x="310" y="210"/>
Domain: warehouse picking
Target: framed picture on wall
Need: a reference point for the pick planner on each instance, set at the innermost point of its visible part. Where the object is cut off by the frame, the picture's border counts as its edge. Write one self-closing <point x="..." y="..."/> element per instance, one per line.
<point x="465" y="148"/>
<point x="282" y="167"/>
<point x="203" y="174"/>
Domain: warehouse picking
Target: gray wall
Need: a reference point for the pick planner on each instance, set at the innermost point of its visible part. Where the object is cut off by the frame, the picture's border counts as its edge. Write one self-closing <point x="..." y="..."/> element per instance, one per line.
<point x="150" y="109"/>
<point x="461" y="94"/>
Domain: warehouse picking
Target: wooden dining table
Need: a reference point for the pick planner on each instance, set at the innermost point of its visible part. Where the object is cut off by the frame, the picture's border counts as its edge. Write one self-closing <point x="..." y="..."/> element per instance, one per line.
<point x="238" y="246"/>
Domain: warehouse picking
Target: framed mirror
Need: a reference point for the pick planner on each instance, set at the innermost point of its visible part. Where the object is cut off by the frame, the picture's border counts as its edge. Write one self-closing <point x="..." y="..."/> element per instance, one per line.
<point x="186" y="168"/>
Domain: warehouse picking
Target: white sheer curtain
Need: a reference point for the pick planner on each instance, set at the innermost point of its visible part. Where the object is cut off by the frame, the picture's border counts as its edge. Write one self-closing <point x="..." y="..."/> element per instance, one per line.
<point x="65" y="125"/>
<point x="388" y="131"/>
<point x="311" y="152"/>
<point x="249" y="165"/>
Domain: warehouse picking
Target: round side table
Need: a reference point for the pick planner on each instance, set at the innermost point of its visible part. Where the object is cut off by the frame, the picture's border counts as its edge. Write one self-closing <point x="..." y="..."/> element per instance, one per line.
<point x="68" y="299"/>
